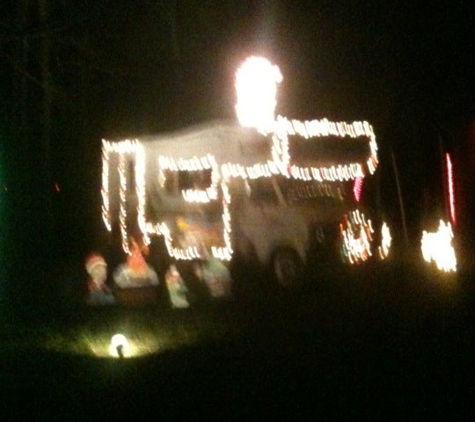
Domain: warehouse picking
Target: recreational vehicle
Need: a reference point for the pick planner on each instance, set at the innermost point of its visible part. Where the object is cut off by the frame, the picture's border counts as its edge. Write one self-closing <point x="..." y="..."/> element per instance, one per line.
<point x="295" y="195"/>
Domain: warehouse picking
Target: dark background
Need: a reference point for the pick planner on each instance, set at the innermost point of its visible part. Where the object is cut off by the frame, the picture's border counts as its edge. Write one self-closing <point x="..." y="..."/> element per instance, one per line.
<point x="74" y="72"/>
<point x="381" y="343"/>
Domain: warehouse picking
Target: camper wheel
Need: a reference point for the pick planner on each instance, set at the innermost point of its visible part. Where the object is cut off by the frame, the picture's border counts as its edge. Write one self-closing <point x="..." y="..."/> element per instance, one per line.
<point x="287" y="267"/>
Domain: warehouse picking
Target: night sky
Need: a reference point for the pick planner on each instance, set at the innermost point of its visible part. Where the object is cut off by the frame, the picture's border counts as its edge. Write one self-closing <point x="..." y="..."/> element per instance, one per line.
<point x="126" y="68"/>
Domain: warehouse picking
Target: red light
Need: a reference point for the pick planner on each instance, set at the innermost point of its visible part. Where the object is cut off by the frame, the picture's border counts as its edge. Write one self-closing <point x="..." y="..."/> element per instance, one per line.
<point x="357" y="187"/>
<point x="450" y="182"/>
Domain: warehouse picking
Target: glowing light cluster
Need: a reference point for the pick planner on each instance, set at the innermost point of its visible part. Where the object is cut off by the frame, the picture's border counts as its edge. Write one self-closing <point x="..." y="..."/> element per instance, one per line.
<point x="140" y="190"/>
<point x="339" y="173"/>
<point x="124" y="149"/>
<point x="225" y="253"/>
<point x="437" y="247"/>
<point x="106" y="217"/>
<point x="162" y="229"/>
<point x="206" y="162"/>
<point x="356" y="234"/>
<point x="282" y="126"/>
<point x="311" y="191"/>
<point x="256" y="88"/>
<point x="255" y="171"/>
<point x="122" y="207"/>
<point x="386" y="241"/>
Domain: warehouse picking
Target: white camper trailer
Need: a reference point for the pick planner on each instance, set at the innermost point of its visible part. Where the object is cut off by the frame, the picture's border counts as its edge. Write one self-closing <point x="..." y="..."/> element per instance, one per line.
<point x="288" y="197"/>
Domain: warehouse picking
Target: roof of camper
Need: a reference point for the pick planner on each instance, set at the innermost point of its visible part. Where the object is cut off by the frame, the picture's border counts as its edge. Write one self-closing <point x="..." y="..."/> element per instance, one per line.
<point x="226" y="140"/>
<point x="229" y="142"/>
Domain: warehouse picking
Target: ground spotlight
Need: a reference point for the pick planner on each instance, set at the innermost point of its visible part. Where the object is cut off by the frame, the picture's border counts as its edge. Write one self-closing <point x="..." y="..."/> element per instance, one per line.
<point x="119" y="346"/>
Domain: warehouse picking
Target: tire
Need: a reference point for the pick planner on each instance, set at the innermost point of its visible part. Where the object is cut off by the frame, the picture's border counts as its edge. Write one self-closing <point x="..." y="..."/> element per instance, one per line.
<point x="287" y="268"/>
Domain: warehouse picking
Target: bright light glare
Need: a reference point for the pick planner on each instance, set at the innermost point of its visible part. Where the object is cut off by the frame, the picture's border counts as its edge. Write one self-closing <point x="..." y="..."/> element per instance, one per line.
<point x="256" y="89"/>
<point x="386" y="241"/>
<point x="119" y="342"/>
<point x="437" y="247"/>
<point x="101" y="345"/>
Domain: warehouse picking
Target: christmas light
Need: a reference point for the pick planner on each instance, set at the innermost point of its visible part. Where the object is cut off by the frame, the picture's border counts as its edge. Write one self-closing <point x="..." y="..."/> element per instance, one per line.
<point x="437" y="247"/>
<point x="386" y="241"/>
<point x="357" y="187"/>
<point x="140" y="190"/>
<point x="123" y="149"/>
<point x="122" y="209"/>
<point x="356" y="236"/>
<point x="106" y="217"/>
<point x="450" y="182"/>
<point x="225" y="253"/>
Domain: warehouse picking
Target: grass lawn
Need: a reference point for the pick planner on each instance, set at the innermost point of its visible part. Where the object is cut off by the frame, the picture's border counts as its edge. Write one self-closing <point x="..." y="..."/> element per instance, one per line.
<point x="393" y="342"/>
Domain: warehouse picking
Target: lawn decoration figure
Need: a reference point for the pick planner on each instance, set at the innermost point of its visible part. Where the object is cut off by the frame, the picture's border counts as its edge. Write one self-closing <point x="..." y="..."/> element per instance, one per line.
<point x="99" y="292"/>
<point x="135" y="272"/>
<point x="176" y="288"/>
<point x="216" y="276"/>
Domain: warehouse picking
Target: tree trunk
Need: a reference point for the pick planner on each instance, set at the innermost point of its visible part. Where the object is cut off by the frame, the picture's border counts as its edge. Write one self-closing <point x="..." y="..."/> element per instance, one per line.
<point x="19" y="125"/>
<point x="46" y="111"/>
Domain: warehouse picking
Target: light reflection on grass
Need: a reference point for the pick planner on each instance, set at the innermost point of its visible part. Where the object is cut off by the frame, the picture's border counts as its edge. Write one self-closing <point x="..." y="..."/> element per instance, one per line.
<point x="148" y="332"/>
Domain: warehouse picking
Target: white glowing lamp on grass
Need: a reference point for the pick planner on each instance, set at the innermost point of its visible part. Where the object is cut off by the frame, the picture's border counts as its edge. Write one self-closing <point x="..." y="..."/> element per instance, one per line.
<point x="119" y="346"/>
<point x="256" y="89"/>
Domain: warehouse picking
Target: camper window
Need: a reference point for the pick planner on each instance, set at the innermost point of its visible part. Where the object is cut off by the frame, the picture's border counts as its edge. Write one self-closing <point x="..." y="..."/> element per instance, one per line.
<point x="199" y="180"/>
<point x="183" y="180"/>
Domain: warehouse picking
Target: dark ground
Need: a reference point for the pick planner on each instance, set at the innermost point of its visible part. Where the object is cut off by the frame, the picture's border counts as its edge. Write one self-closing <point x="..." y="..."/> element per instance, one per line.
<point x="389" y="344"/>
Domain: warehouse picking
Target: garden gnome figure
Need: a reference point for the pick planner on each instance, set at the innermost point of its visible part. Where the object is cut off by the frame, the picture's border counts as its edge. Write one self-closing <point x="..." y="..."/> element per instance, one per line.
<point x="98" y="291"/>
<point x="176" y="288"/>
